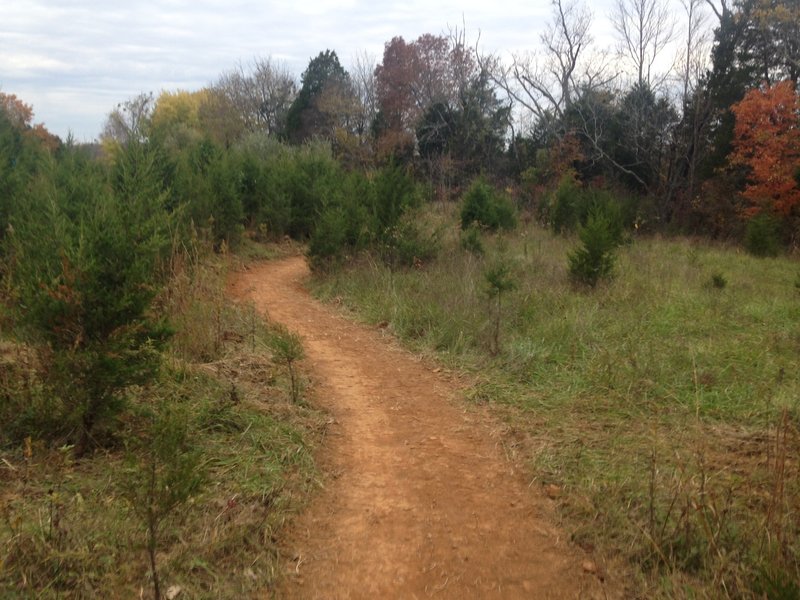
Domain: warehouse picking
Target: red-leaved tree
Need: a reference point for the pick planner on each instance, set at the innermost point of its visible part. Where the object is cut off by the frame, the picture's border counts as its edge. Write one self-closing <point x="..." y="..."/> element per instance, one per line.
<point x="767" y="142"/>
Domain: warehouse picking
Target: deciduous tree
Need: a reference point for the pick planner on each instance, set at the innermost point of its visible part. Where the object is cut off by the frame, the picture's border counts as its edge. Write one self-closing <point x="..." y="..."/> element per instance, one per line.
<point x="545" y="84"/>
<point x="416" y="85"/>
<point x="644" y="29"/>
<point x="767" y="142"/>
<point x="129" y="121"/>
<point x="260" y="93"/>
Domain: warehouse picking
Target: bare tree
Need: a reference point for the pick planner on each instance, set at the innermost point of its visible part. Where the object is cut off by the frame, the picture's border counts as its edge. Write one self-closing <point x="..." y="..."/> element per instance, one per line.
<point x="694" y="59"/>
<point x="722" y="11"/>
<point x="234" y="86"/>
<point x="645" y="29"/>
<point x="128" y="121"/>
<point x="548" y="83"/>
<point x="221" y="118"/>
<point x="362" y="76"/>
<point x="261" y="93"/>
<point x="691" y="136"/>
<point x="272" y="91"/>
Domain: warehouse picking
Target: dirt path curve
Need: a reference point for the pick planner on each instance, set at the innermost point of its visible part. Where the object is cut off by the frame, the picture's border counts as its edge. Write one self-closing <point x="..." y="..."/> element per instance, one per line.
<point x="419" y="501"/>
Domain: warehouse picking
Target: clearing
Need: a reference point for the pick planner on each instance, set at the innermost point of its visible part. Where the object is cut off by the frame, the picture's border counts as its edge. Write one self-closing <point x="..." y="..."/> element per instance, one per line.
<point x="419" y="499"/>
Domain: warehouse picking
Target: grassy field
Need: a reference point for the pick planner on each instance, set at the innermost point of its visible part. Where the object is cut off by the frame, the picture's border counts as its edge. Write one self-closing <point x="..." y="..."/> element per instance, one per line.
<point x="77" y="529"/>
<point x="660" y="409"/>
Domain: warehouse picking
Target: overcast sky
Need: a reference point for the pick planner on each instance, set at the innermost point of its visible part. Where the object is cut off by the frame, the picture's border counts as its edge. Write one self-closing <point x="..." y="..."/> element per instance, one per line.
<point x="74" y="60"/>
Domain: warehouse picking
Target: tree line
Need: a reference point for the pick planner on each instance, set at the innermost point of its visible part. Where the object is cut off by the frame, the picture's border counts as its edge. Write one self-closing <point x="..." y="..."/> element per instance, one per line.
<point x="643" y="120"/>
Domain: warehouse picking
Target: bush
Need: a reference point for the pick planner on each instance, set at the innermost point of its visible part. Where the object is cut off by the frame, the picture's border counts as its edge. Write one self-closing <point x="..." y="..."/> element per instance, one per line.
<point x="88" y="267"/>
<point x="563" y="206"/>
<point x="594" y="259"/>
<point x="163" y="473"/>
<point x="359" y="213"/>
<point x="572" y="206"/>
<point x="471" y="240"/>
<point x="329" y="239"/>
<point x="483" y="207"/>
<point x="315" y="179"/>
<point x="287" y="349"/>
<point x="499" y="280"/>
<point x="394" y="194"/>
<point x="267" y="175"/>
<point x="226" y="215"/>
<point x="762" y="236"/>
<point x="345" y="223"/>
<point x="407" y="244"/>
<point x="620" y="212"/>
<point x="718" y="281"/>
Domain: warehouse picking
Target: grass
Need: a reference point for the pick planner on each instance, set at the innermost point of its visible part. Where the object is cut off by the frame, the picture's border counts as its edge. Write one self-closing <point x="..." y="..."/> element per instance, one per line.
<point x="664" y="403"/>
<point x="67" y="528"/>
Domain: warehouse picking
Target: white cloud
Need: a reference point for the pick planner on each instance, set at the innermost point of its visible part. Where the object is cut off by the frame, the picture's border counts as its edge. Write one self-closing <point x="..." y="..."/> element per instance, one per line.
<point x="75" y="59"/>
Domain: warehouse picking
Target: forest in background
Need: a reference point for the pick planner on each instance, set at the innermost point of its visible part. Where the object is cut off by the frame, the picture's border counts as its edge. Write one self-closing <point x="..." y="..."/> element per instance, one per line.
<point x="703" y="139"/>
<point x="110" y="253"/>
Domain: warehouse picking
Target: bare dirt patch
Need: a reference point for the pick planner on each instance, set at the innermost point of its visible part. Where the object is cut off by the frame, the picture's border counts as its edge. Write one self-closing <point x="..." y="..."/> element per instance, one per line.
<point x="419" y="500"/>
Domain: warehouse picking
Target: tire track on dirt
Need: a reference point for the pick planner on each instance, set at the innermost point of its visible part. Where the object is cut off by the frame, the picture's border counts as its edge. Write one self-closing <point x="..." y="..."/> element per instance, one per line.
<point x="418" y="500"/>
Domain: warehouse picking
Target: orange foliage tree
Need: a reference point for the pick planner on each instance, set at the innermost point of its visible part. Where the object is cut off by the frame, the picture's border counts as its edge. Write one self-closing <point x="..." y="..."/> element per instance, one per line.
<point x="767" y="142"/>
<point x="18" y="112"/>
<point x="20" y="116"/>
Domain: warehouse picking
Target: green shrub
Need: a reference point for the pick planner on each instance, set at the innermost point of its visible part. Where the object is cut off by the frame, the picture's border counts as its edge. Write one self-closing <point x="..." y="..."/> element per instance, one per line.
<point x="88" y="267"/>
<point x="268" y="170"/>
<point x="563" y="206"/>
<point x="394" y="193"/>
<point x="483" y="207"/>
<point x="329" y="239"/>
<point x="620" y="212"/>
<point x="314" y="180"/>
<point x="163" y="473"/>
<point x="499" y="280"/>
<point x="762" y="236"/>
<point x="471" y="240"/>
<point x="594" y="259"/>
<point x="718" y="281"/>
<point x="287" y="348"/>
<point x="572" y="206"/>
<point x="345" y="223"/>
<point x="359" y="213"/>
<point x="226" y="212"/>
<point x="407" y="244"/>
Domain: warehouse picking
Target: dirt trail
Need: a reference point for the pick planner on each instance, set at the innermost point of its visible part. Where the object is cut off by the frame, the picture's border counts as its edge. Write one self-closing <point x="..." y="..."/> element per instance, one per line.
<point x="419" y="501"/>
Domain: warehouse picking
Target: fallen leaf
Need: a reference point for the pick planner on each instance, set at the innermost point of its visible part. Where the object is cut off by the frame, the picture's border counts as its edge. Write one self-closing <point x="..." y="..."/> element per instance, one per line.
<point x="553" y="491"/>
<point x="589" y="566"/>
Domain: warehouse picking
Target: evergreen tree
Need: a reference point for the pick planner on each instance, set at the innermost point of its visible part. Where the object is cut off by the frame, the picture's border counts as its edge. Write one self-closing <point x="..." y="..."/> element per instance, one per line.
<point x="88" y="258"/>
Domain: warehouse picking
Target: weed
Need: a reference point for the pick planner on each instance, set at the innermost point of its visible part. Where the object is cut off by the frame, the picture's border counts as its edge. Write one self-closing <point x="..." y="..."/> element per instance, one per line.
<point x="287" y="348"/>
<point x="163" y="473"/>
<point x="718" y="281"/>
<point x="499" y="281"/>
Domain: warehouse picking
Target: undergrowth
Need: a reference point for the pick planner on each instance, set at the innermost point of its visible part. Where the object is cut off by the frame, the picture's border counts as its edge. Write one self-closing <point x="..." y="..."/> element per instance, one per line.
<point x="666" y="408"/>
<point x="74" y="529"/>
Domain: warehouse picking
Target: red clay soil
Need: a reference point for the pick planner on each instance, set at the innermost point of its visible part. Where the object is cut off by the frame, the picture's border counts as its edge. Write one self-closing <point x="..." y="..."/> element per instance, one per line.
<point x="419" y="500"/>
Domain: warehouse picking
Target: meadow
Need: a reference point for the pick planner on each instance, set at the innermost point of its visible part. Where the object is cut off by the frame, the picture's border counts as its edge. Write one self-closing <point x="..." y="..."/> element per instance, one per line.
<point x="659" y="409"/>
